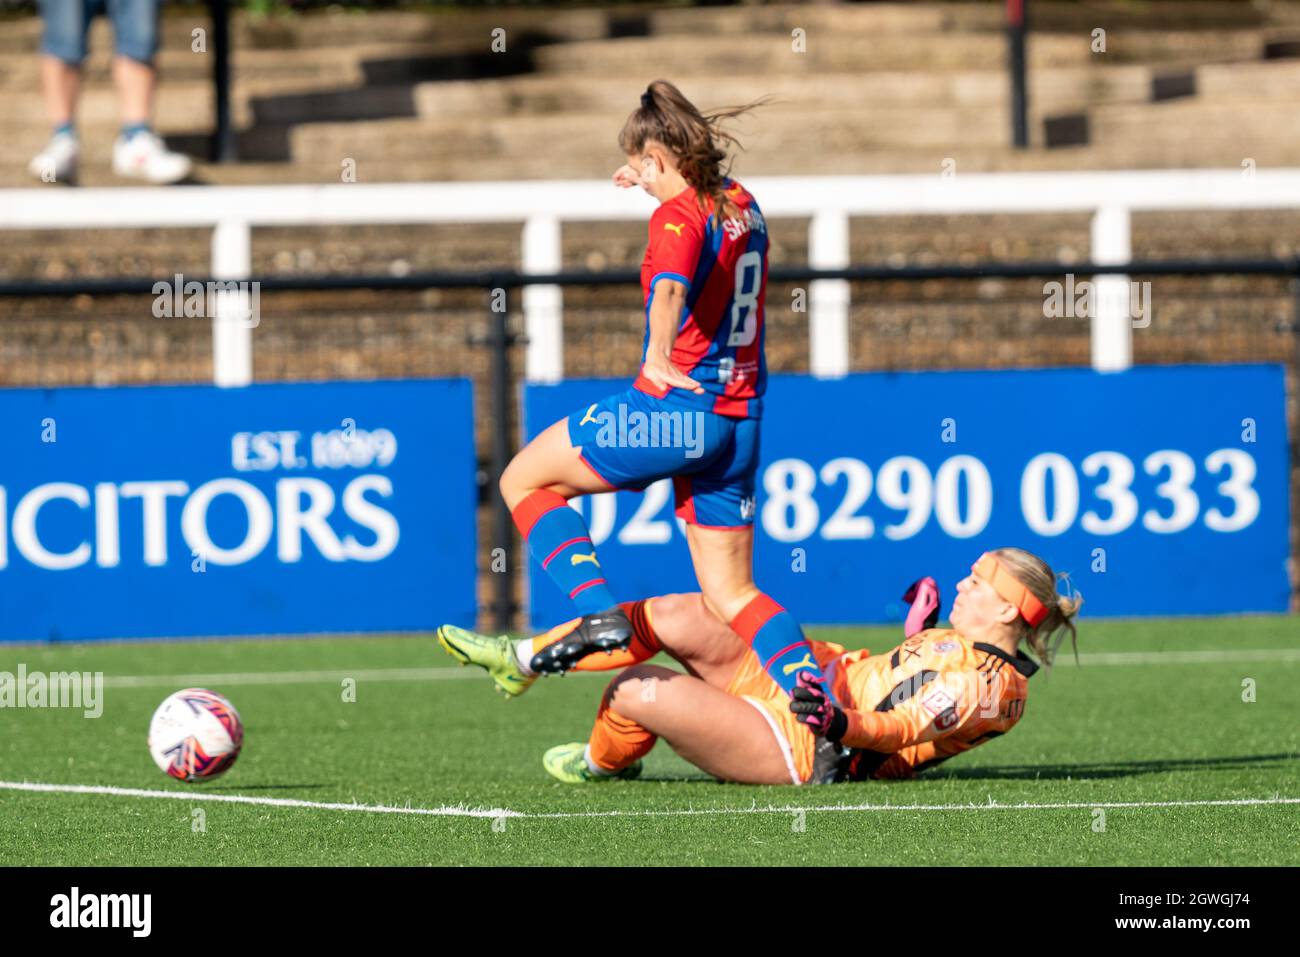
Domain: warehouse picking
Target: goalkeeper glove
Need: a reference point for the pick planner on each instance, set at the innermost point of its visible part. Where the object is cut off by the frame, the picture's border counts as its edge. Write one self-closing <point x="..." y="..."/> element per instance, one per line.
<point x="813" y="707"/>
<point x="923" y="598"/>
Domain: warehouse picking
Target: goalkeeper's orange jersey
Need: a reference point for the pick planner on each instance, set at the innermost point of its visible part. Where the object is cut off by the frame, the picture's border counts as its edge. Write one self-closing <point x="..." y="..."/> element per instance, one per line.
<point x="935" y="695"/>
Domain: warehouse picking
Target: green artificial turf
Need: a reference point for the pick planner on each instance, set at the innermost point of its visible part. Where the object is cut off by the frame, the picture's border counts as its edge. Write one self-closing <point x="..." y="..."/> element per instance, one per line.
<point x="1137" y="732"/>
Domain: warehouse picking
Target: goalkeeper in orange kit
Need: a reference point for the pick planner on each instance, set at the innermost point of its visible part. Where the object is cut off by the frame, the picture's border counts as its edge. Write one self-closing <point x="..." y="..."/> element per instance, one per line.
<point x="940" y="692"/>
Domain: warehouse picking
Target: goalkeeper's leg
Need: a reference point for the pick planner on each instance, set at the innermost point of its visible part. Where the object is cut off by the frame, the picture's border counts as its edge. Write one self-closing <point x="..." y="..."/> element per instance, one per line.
<point x="509" y="661"/>
<point x="550" y="653"/>
<point x="681" y="626"/>
<point x="724" y="735"/>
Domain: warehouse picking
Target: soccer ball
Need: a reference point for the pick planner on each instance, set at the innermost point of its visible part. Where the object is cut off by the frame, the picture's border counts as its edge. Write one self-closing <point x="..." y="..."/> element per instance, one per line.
<point x="195" y="735"/>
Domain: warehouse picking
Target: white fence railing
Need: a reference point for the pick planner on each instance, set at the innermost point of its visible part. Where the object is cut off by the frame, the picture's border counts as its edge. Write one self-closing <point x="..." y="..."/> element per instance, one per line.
<point x="541" y="207"/>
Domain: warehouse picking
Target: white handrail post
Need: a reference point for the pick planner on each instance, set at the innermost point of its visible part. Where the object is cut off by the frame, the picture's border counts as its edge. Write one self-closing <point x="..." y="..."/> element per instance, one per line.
<point x="1112" y="325"/>
<point x="234" y="317"/>
<point x="543" y="305"/>
<point x="828" y="321"/>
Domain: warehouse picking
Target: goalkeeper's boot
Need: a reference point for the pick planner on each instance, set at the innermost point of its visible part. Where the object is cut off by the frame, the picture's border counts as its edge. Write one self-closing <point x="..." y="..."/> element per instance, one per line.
<point x="494" y="654"/>
<point x="568" y="763"/>
<point x="604" y="631"/>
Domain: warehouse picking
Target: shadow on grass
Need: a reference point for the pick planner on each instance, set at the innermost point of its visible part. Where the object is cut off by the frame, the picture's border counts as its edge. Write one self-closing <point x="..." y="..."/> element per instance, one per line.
<point x="1104" y="769"/>
<point x="263" y="787"/>
<point x="1046" y="772"/>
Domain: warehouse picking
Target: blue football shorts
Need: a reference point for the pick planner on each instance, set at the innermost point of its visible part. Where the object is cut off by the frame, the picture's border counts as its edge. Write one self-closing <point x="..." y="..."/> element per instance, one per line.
<point x="631" y="440"/>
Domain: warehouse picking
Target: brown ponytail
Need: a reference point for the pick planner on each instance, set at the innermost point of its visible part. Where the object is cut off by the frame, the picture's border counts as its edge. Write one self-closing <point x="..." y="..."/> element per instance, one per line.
<point x="695" y="139"/>
<point x="1036" y="575"/>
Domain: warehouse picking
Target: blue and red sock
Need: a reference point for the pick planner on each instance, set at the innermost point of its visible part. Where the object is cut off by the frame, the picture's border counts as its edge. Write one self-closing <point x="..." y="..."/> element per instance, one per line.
<point x="779" y="642"/>
<point x="559" y="539"/>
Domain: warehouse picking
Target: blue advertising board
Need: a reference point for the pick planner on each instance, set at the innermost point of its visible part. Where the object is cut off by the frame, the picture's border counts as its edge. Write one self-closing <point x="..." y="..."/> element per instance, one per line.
<point x="271" y="509"/>
<point x="1160" y="490"/>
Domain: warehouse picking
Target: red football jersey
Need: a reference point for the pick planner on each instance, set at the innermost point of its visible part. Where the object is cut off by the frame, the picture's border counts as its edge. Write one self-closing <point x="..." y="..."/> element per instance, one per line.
<point x="724" y="267"/>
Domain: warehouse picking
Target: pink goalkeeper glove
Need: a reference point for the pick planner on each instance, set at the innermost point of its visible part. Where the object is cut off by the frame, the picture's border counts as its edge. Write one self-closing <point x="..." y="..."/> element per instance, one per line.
<point x="923" y="596"/>
<point x="813" y="707"/>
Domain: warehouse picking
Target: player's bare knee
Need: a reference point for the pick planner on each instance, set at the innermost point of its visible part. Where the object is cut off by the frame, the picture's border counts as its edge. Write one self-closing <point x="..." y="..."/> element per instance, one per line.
<point x="621" y="696"/>
<point x="513" y="488"/>
<point x="675" y="614"/>
<point x="636" y="688"/>
<point x="506" y="484"/>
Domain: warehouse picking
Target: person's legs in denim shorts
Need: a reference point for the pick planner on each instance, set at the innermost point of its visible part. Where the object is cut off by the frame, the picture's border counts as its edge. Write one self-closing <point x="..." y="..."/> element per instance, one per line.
<point x="66" y="24"/>
<point x="135" y="28"/>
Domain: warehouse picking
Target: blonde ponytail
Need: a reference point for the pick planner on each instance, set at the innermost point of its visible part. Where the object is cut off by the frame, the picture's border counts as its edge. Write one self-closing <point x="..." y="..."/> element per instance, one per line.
<point x="1036" y="575"/>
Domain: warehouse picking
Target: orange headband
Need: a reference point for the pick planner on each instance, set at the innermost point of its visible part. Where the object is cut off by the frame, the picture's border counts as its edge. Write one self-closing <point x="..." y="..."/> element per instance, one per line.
<point x="1009" y="587"/>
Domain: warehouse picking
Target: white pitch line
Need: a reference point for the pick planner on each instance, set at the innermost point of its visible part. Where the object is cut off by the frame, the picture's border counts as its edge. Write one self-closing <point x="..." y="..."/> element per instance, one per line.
<point x="296" y="677"/>
<point x="289" y="677"/>
<point x="1219" y="656"/>
<point x="462" y="811"/>
<point x="457" y="811"/>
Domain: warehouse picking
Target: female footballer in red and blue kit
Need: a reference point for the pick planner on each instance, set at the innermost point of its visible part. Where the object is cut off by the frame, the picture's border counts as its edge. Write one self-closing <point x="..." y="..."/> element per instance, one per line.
<point x="703" y="278"/>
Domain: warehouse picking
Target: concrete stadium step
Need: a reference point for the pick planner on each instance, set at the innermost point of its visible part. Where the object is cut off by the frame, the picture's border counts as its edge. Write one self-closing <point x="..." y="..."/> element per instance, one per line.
<point x="1212" y="122"/>
<point x="340" y="27"/>
<point x="792" y="136"/>
<point x="21" y="74"/>
<point x="537" y="140"/>
<point x="96" y="144"/>
<point x="1134" y="153"/>
<point x="346" y="26"/>
<point x="336" y="66"/>
<point x="1254" y="81"/>
<point x="1181" y="16"/>
<point x="178" y="105"/>
<point x="773" y="54"/>
<point x="1243" y="102"/>
<point x="702" y="55"/>
<point x="543" y="94"/>
<point x="876" y="19"/>
<point x="262" y="97"/>
<point x="538" y="95"/>
<point x="188" y="104"/>
<point x="1183" y="47"/>
<point x="894" y="18"/>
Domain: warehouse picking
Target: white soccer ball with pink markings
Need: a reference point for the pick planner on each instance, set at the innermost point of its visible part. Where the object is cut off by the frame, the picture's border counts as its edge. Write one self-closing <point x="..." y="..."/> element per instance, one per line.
<point x="195" y="735"/>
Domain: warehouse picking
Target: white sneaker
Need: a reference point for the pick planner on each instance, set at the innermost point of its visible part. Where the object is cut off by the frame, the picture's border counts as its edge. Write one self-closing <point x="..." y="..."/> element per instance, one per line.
<point x="144" y="156"/>
<point x="57" y="163"/>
